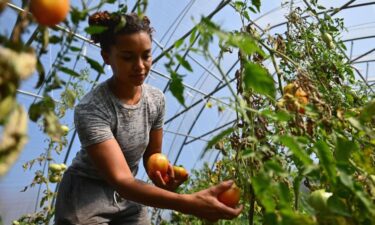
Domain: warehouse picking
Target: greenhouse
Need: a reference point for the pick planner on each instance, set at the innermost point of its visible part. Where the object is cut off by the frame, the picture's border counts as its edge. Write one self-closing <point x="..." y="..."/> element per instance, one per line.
<point x="187" y="112"/>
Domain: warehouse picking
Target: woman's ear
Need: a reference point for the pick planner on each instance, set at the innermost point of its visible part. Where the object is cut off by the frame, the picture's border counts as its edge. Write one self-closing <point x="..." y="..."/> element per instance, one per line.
<point x="105" y="56"/>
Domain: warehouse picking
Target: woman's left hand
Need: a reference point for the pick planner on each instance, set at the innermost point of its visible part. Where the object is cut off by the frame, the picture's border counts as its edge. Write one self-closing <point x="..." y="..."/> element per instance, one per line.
<point x="169" y="181"/>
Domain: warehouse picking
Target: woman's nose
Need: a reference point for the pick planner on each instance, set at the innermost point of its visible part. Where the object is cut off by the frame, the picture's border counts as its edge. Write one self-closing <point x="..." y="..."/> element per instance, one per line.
<point x="139" y="64"/>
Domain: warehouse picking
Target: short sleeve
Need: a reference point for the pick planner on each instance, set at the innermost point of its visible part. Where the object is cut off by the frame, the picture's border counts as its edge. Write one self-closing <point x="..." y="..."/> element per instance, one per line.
<point x="92" y="124"/>
<point x="159" y="121"/>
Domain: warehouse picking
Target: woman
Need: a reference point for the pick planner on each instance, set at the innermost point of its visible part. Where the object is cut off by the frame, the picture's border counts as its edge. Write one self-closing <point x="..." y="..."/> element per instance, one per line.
<point x="118" y="123"/>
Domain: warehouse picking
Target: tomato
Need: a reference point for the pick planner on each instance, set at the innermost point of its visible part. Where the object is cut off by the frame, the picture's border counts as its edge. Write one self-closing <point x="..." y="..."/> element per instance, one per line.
<point x="331" y="45"/>
<point x="63" y="166"/>
<point x="326" y="37"/>
<point x="230" y="197"/>
<point x="180" y="172"/>
<point x="65" y="129"/>
<point x="280" y="103"/>
<point x="55" y="168"/>
<point x="318" y="199"/>
<point x="54" y="178"/>
<point x="289" y="88"/>
<point x="157" y="162"/>
<point x="303" y="100"/>
<point x="300" y="93"/>
<point x="49" y="12"/>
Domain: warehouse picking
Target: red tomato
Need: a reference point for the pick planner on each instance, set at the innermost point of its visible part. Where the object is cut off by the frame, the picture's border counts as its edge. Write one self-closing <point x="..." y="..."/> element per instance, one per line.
<point x="230" y="197"/>
<point x="49" y="12"/>
<point x="158" y="162"/>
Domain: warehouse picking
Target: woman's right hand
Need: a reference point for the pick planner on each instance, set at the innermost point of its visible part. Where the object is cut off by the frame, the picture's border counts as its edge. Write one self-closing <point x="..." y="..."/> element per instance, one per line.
<point x="204" y="204"/>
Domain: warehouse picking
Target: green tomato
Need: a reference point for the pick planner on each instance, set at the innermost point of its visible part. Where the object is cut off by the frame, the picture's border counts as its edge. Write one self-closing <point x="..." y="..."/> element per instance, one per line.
<point x="54" y="167"/>
<point x="326" y="37"/>
<point x="318" y="199"/>
<point x="65" y="129"/>
<point x="54" y="178"/>
<point x="331" y="45"/>
<point x="63" y="166"/>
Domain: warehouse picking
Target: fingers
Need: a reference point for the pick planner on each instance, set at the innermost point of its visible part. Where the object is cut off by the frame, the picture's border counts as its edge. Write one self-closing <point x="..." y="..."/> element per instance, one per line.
<point x="233" y="212"/>
<point x="223" y="186"/>
<point x="171" y="171"/>
<point x="158" y="179"/>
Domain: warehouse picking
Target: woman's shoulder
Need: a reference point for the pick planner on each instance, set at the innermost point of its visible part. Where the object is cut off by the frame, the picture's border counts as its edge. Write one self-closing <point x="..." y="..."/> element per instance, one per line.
<point x="95" y="96"/>
<point x="95" y="100"/>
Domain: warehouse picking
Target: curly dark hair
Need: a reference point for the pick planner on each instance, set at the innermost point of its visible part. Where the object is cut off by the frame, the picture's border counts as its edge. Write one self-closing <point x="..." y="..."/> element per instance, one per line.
<point x="117" y="24"/>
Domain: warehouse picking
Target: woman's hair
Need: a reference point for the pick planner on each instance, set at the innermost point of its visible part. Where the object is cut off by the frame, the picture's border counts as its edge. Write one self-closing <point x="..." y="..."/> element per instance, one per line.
<point x="117" y="24"/>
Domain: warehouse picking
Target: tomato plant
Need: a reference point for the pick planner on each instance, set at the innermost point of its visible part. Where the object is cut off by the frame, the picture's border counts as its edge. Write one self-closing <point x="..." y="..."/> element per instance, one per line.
<point x="49" y="12"/>
<point x="302" y="144"/>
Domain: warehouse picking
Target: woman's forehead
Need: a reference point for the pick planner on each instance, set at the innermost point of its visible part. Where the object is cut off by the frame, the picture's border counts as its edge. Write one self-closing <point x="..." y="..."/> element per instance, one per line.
<point x="139" y="40"/>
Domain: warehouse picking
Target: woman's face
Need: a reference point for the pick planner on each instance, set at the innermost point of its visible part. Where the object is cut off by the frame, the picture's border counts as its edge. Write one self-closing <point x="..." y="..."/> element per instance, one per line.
<point x="130" y="58"/>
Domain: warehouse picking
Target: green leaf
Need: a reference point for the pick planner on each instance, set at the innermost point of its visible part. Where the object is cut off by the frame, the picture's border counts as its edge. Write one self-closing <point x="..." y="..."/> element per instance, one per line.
<point x="55" y="39"/>
<point x="368" y="112"/>
<point x="282" y="116"/>
<point x="216" y="139"/>
<point x="326" y="159"/>
<point x="258" y="79"/>
<point x="355" y="123"/>
<point x="193" y="35"/>
<point x="295" y="147"/>
<point x="69" y="71"/>
<point x="94" y="64"/>
<point x="41" y="72"/>
<point x="263" y="190"/>
<point x="184" y="63"/>
<point x="245" y="43"/>
<point x="74" y="49"/>
<point x="69" y="96"/>
<point x="343" y="150"/>
<point x="179" y="42"/>
<point x="94" y="29"/>
<point x="238" y="5"/>
<point x="177" y="88"/>
<point x="256" y="3"/>
<point x="337" y="205"/>
<point x="38" y="108"/>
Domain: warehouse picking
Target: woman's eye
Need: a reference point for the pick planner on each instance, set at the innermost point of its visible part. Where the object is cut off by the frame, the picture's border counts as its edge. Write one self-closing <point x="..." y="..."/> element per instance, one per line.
<point x="147" y="56"/>
<point x="126" y="57"/>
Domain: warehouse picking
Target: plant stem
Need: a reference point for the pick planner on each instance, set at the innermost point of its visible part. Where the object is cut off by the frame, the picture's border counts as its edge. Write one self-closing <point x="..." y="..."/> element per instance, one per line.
<point x="252" y="206"/>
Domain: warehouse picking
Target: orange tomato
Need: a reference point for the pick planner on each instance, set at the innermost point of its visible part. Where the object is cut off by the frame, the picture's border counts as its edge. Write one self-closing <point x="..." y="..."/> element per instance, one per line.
<point x="157" y="162"/>
<point x="230" y="197"/>
<point x="180" y="172"/>
<point x="300" y="93"/>
<point x="49" y="12"/>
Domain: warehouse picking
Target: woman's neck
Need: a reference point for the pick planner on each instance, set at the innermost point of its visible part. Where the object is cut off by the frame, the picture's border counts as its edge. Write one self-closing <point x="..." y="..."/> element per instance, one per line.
<point x="127" y="94"/>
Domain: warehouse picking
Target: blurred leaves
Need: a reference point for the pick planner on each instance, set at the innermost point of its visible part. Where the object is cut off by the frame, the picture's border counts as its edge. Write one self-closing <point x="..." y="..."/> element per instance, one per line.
<point x="258" y="79"/>
<point x="14" y="138"/>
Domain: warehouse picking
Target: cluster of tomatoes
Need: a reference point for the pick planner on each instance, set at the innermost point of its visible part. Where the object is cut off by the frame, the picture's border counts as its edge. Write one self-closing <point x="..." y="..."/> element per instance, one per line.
<point x="55" y="172"/>
<point x="160" y="162"/>
<point x="294" y="98"/>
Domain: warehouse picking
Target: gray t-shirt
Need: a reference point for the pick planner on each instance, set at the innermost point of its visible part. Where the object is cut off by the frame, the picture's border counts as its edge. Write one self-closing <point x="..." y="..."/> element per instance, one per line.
<point x="101" y="116"/>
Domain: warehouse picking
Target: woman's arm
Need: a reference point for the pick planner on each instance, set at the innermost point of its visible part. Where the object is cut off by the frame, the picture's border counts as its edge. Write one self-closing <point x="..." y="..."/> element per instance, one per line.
<point x="109" y="159"/>
<point x="154" y="145"/>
